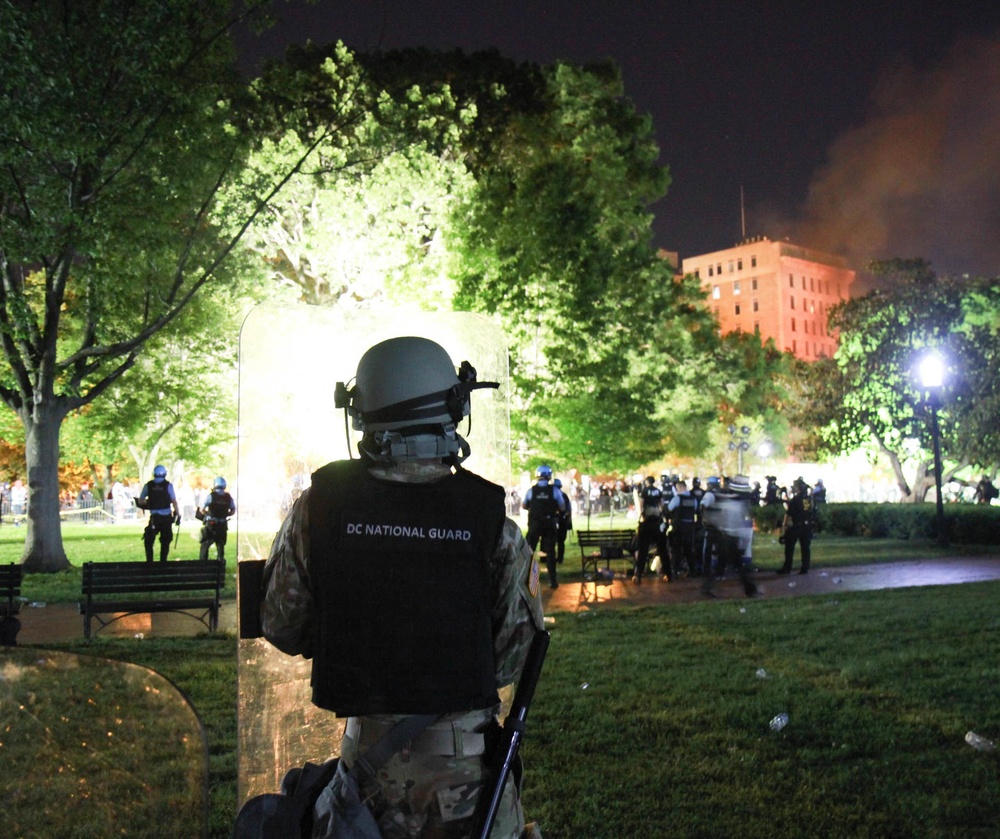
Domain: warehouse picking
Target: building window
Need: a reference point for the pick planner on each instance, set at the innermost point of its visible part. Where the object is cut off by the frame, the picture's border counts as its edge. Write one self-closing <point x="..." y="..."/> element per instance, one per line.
<point x="736" y="309"/>
<point x="711" y="271"/>
<point x="803" y="283"/>
<point x="753" y="283"/>
<point x="718" y="268"/>
<point x="716" y="292"/>
<point x="756" y="306"/>
<point x="739" y="264"/>
<point x="811" y="287"/>
<point x="736" y="287"/>
<point x="795" y="348"/>
<point x="791" y="281"/>
<point x="791" y="301"/>
<point x="753" y="261"/>
<point x="793" y="325"/>
<point x="730" y="266"/>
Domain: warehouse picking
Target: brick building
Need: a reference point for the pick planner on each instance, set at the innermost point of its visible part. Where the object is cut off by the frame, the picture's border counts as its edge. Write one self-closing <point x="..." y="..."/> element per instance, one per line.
<point x="782" y="289"/>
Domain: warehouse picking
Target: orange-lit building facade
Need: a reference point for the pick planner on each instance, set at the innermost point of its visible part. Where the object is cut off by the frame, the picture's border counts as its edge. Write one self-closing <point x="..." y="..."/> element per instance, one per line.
<point x="784" y="290"/>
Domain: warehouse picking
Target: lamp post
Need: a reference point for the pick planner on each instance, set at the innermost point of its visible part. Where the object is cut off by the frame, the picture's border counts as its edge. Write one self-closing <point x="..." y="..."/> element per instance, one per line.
<point x="932" y="377"/>
<point x="741" y="446"/>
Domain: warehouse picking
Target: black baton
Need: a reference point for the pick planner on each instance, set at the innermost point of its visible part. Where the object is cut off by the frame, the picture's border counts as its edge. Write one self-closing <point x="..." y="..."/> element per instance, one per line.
<point x="513" y="731"/>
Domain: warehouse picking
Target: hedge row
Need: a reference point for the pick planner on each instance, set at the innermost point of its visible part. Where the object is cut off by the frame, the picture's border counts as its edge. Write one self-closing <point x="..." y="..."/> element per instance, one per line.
<point x="968" y="524"/>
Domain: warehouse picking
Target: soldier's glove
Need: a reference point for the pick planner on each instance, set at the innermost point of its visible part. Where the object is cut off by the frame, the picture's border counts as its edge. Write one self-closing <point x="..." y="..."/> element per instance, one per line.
<point x="177" y="520"/>
<point x="781" y="539"/>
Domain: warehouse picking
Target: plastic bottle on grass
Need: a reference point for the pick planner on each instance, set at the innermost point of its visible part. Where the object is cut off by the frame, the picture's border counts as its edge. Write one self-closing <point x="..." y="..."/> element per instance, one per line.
<point x="979" y="742"/>
<point x="779" y="722"/>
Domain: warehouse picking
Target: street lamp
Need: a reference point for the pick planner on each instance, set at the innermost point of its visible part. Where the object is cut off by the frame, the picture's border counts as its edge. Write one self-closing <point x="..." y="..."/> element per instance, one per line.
<point x="741" y="446"/>
<point x="932" y="378"/>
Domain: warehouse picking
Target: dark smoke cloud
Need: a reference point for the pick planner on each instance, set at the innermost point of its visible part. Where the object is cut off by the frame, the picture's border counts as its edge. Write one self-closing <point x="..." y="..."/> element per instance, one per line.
<point x="921" y="177"/>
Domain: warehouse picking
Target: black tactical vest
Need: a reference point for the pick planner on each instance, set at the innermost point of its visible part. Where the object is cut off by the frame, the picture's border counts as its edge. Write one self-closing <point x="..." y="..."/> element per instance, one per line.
<point x="543" y="504"/>
<point x="219" y="504"/>
<point x="401" y="583"/>
<point x="686" y="511"/>
<point x="157" y="495"/>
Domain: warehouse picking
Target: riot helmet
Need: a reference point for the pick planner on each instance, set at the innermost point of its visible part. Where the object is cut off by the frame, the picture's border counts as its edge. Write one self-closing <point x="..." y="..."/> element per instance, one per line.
<point x="159" y="473"/>
<point x="557" y="483"/>
<point x="713" y="482"/>
<point x="544" y="473"/>
<point x="407" y="400"/>
<point x="219" y="484"/>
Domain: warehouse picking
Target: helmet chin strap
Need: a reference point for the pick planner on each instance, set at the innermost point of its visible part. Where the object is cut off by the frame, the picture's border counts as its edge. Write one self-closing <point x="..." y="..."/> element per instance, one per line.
<point x="421" y="443"/>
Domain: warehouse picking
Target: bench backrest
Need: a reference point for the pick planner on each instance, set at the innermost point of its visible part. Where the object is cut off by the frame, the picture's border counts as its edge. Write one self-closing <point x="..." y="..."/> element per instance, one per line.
<point x="137" y="577"/>
<point x="604" y="537"/>
<point x="10" y="581"/>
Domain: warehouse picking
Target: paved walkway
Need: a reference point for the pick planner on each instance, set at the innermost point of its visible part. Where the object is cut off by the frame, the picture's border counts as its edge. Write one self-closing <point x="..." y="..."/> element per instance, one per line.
<point x="62" y="622"/>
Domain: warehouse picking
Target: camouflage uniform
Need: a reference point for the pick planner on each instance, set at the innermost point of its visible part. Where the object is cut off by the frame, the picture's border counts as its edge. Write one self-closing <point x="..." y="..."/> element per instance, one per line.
<point x="429" y="788"/>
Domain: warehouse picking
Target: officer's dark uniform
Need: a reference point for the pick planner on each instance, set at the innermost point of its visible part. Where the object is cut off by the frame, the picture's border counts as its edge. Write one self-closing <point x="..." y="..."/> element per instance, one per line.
<point x="799" y="520"/>
<point x="683" y="529"/>
<point x="158" y="498"/>
<point x="219" y="507"/>
<point x="564" y="524"/>
<point x="543" y="503"/>
<point x="651" y="530"/>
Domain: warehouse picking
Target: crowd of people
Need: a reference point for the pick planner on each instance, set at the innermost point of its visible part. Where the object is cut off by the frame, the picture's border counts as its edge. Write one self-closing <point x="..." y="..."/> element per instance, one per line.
<point x="683" y="530"/>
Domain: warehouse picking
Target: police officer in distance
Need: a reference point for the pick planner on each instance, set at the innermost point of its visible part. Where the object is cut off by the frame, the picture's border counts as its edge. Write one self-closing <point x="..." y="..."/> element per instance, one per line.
<point x="158" y="498"/>
<point x="564" y="524"/>
<point x="403" y="580"/>
<point x="652" y="530"/>
<point x="683" y="511"/>
<point x="545" y="503"/>
<point x="214" y="515"/>
<point x="798" y="526"/>
<point x="726" y="515"/>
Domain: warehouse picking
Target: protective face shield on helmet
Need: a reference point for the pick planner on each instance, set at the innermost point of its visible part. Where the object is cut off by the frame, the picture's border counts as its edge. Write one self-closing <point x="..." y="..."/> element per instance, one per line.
<point x="407" y="400"/>
<point x="159" y="473"/>
<point x="219" y="484"/>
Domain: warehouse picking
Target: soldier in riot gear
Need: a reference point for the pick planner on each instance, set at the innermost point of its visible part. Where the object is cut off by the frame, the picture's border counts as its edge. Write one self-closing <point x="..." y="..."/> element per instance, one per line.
<point x="158" y="498"/>
<point x="214" y="515"/>
<point x="545" y="503"/>
<point x="403" y="580"/>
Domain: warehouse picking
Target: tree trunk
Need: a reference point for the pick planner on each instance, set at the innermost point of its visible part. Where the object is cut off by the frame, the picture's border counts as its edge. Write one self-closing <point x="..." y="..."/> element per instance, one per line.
<point x="43" y="545"/>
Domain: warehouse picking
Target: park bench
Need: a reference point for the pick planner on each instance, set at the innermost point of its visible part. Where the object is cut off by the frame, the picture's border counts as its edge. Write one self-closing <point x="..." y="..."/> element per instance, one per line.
<point x="603" y="546"/>
<point x="136" y="588"/>
<point x="10" y="589"/>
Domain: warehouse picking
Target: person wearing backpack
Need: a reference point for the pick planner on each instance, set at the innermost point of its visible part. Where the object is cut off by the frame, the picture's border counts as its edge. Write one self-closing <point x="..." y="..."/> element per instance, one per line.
<point x="401" y="577"/>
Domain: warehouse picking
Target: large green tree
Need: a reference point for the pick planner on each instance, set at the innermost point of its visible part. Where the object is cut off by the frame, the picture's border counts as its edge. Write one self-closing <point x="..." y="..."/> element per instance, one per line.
<point x="870" y="395"/>
<point x="558" y="244"/>
<point x="368" y="221"/>
<point x="123" y="122"/>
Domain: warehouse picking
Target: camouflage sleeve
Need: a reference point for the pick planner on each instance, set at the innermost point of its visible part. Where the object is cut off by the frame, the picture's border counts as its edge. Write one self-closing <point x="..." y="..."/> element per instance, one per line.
<point x="286" y="607"/>
<point x="517" y="603"/>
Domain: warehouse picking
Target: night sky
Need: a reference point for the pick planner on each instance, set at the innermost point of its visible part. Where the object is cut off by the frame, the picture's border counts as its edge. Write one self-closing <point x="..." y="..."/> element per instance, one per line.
<point x="868" y="129"/>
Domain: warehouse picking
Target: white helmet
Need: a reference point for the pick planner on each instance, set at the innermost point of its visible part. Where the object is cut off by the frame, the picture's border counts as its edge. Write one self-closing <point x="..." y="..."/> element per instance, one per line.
<point x="408" y="398"/>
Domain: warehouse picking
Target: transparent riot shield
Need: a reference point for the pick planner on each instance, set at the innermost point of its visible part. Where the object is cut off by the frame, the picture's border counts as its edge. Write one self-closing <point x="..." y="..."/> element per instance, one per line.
<point x="92" y="747"/>
<point x="290" y="360"/>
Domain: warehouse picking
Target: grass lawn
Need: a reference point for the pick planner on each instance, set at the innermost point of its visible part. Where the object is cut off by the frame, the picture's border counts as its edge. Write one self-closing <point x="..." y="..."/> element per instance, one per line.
<point x="653" y="721"/>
